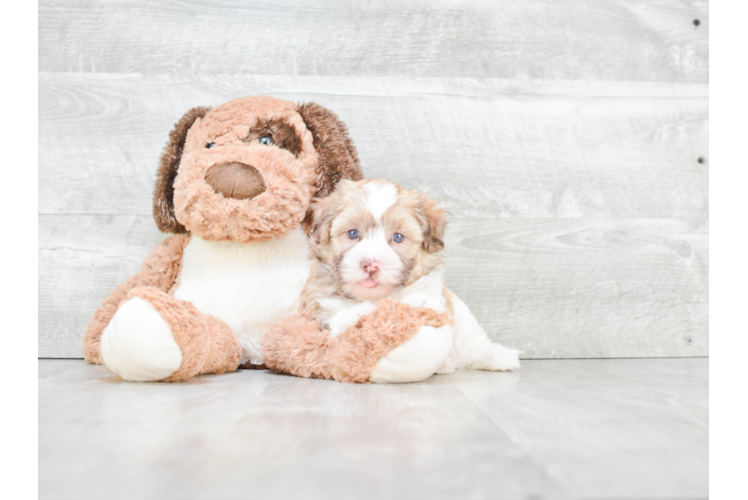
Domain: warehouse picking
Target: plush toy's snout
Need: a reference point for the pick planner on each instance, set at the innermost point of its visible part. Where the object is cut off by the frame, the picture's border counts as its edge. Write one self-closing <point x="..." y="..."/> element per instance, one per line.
<point x="235" y="180"/>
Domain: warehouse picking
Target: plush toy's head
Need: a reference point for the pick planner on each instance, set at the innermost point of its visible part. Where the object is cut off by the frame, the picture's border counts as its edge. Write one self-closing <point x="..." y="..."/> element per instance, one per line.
<point x="248" y="169"/>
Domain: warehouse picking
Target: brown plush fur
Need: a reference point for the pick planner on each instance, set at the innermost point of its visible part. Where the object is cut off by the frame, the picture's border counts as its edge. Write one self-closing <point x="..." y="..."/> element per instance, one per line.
<point x="311" y="152"/>
<point x="280" y="131"/>
<point x="160" y="270"/>
<point x="208" y="345"/>
<point x="338" y="158"/>
<point x="298" y="346"/>
<point x="294" y="168"/>
<point x="163" y="194"/>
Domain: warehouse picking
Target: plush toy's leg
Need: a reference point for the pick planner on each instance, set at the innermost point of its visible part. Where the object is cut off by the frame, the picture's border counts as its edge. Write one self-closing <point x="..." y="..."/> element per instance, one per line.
<point x="155" y="337"/>
<point x="417" y="359"/>
<point x="298" y="346"/>
<point x="101" y="318"/>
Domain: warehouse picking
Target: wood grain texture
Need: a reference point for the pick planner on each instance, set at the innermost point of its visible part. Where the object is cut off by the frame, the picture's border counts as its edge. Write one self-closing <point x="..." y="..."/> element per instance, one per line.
<point x="585" y="288"/>
<point x="81" y="260"/>
<point x="568" y="139"/>
<point x="571" y="39"/>
<point x="487" y="148"/>
<point x="554" y="288"/>
<point x="557" y="430"/>
<point x="567" y="196"/>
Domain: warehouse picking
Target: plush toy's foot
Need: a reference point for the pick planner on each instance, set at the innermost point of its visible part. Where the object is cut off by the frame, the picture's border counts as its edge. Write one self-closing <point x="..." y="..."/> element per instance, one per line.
<point x="155" y="337"/>
<point x="299" y="346"/>
<point x="415" y="360"/>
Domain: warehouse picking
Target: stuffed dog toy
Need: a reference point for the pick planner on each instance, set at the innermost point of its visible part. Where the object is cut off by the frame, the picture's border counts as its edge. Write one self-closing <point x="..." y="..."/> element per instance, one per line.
<point x="234" y="185"/>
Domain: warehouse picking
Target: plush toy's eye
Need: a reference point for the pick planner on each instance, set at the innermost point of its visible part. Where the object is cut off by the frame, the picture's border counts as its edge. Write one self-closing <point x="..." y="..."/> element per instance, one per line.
<point x="353" y="234"/>
<point x="267" y="141"/>
<point x="398" y="238"/>
<point x="210" y="145"/>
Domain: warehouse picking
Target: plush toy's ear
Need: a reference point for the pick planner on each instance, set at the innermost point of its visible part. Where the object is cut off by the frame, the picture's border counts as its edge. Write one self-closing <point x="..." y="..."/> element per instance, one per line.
<point x="433" y="222"/>
<point x="163" y="194"/>
<point x="337" y="154"/>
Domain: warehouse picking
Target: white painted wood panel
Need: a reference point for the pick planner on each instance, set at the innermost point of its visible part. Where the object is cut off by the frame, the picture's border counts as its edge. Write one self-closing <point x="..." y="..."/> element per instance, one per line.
<point x="554" y="288"/>
<point x="567" y="196"/>
<point x="549" y="39"/>
<point x="488" y="148"/>
<point x="568" y="139"/>
<point x="81" y="260"/>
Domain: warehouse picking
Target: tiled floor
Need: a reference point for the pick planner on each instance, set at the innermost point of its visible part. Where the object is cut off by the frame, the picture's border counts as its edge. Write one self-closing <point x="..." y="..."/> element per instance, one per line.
<point x="596" y="429"/>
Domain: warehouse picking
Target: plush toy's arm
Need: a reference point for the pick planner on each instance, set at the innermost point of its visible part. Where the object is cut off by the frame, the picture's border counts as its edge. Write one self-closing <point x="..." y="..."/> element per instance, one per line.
<point x="299" y="346"/>
<point x="160" y="270"/>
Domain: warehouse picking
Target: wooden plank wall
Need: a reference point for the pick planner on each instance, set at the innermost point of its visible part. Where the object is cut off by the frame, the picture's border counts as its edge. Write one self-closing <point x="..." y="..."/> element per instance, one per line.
<point x="569" y="139"/>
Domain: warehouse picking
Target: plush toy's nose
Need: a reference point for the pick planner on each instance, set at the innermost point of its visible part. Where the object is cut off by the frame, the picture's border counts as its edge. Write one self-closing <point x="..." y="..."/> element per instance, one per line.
<point x="235" y="180"/>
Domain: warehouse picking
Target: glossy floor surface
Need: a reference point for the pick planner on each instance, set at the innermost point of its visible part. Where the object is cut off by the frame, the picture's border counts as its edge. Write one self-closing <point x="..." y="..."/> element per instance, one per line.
<point x="597" y="429"/>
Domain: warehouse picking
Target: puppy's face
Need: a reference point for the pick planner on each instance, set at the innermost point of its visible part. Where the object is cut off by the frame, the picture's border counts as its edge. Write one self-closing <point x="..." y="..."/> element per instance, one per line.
<point x="377" y="237"/>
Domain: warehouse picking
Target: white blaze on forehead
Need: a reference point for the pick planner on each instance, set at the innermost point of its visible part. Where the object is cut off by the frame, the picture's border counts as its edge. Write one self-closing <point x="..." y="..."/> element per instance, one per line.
<point x="379" y="197"/>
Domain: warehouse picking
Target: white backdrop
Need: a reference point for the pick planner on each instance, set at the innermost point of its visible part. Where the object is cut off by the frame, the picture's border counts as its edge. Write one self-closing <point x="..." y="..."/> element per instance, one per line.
<point x="568" y="139"/>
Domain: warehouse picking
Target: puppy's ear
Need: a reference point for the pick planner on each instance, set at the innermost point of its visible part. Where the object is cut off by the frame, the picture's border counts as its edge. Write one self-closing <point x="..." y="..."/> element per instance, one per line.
<point x="433" y="222"/>
<point x="338" y="158"/>
<point x="163" y="194"/>
<point x="324" y="211"/>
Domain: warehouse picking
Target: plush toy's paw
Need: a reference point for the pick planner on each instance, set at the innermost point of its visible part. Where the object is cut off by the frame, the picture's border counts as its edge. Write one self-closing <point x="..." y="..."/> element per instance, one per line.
<point x="155" y="337"/>
<point x="425" y="301"/>
<point x="417" y="359"/>
<point x="348" y="317"/>
<point x="496" y="357"/>
<point x="138" y="344"/>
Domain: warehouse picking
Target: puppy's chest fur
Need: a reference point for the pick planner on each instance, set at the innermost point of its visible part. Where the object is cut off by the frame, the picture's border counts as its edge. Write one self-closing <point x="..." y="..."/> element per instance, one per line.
<point x="247" y="285"/>
<point x="429" y="286"/>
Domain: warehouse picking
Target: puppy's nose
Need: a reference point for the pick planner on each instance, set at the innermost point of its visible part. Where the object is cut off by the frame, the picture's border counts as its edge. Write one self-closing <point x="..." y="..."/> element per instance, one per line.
<point x="235" y="180"/>
<point x="370" y="265"/>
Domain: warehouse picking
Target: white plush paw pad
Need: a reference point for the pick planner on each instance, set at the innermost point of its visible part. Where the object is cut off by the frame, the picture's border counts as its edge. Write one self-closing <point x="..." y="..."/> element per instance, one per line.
<point x="138" y="344"/>
<point x="496" y="357"/>
<point x="417" y="359"/>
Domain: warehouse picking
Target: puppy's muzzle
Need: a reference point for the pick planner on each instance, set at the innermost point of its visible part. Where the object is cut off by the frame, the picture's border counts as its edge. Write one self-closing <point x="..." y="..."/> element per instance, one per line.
<point x="235" y="180"/>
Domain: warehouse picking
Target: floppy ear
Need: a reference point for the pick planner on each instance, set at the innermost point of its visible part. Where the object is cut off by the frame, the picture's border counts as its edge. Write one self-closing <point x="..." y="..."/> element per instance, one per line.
<point x="321" y="213"/>
<point x="163" y="193"/>
<point x="337" y="154"/>
<point x="433" y="222"/>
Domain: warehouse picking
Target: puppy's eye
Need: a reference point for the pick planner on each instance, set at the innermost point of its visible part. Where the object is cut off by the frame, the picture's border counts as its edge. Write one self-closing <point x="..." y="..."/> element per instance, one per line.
<point x="267" y="141"/>
<point x="398" y="238"/>
<point x="353" y="234"/>
<point x="210" y="145"/>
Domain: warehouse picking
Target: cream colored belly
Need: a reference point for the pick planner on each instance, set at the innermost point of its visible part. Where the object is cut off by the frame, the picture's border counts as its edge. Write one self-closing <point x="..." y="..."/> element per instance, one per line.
<point x="247" y="285"/>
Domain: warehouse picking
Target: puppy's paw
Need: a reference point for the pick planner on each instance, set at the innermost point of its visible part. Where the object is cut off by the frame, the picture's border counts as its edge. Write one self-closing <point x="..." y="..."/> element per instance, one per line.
<point x="449" y="366"/>
<point x="425" y="301"/>
<point x="346" y="318"/>
<point x="496" y="357"/>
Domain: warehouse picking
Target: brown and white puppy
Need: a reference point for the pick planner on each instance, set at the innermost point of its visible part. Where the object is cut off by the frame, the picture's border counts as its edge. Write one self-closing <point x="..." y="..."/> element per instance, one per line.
<point x="371" y="240"/>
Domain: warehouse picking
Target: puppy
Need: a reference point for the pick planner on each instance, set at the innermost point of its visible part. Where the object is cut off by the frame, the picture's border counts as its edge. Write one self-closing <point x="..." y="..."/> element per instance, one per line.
<point x="372" y="239"/>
